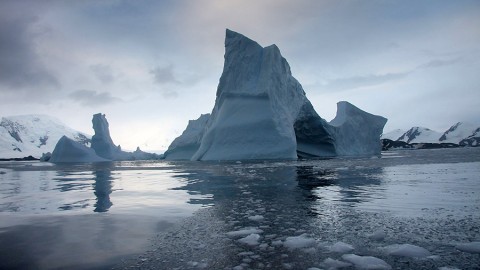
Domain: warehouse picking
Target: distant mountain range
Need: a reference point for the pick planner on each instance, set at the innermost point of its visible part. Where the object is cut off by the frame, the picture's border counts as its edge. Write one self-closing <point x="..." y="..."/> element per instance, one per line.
<point x="33" y="135"/>
<point x="462" y="133"/>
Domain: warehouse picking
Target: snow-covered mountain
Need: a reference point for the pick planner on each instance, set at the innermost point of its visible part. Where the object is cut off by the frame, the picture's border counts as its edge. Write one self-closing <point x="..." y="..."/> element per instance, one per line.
<point x="393" y="135"/>
<point x="33" y="135"/>
<point x="420" y="135"/>
<point x="462" y="133"/>
<point x="472" y="140"/>
<point x="458" y="132"/>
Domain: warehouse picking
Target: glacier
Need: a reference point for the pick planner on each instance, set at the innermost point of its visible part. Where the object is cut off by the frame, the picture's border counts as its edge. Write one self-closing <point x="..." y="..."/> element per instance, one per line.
<point x="261" y="112"/>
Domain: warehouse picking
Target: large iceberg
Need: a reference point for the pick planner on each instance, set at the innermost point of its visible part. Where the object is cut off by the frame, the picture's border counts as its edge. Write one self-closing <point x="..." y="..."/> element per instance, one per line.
<point x="68" y="150"/>
<point x="261" y="112"/>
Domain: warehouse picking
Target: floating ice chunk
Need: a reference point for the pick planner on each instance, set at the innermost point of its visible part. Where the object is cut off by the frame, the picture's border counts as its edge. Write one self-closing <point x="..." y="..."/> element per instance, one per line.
<point x="68" y="150"/>
<point x="448" y="268"/>
<point x="407" y="250"/>
<point x="251" y="240"/>
<point x="301" y="241"/>
<point x="330" y="263"/>
<point x="313" y="268"/>
<point x="366" y="262"/>
<point x="256" y="218"/>
<point x="246" y="253"/>
<point x="377" y="235"/>
<point x="243" y="232"/>
<point x="341" y="247"/>
<point x="472" y="247"/>
<point x="277" y="243"/>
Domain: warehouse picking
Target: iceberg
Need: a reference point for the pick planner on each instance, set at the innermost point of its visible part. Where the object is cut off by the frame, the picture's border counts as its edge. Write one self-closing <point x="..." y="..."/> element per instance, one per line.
<point x="102" y="147"/>
<point x="261" y="112"/>
<point x="184" y="146"/>
<point x="102" y="143"/>
<point x="69" y="151"/>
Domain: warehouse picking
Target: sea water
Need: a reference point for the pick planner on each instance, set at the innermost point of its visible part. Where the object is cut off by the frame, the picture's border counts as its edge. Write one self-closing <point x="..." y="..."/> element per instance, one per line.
<point x="408" y="209"/>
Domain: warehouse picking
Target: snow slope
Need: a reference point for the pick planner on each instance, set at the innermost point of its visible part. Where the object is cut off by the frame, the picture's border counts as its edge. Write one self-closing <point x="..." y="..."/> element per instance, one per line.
<point x="25" y="135"/>
<point x="458" y="132"/>
<point x="394" y="134"/>
<point x="420" y="135"/>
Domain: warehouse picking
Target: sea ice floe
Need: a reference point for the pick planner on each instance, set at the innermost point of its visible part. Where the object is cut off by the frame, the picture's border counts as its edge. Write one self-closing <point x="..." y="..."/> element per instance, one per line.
<point x="407" y="250"/>
<point x="378" y="235"/>
<point x="330" y="263"/>
<point x="298" y="242"/>
<point x="471" y="247"/>
<point x="341" y="247"/>
<point x="448" y="268"/>
<point x="256" y="218"/>
<point x="244" y="232"/>
<point x="251" y="240"/>
<point x="366" y="262"/>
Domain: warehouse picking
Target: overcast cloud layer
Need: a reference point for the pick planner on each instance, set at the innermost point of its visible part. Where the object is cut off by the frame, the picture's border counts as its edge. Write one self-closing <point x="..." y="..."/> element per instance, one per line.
<point x="150" y="66"/>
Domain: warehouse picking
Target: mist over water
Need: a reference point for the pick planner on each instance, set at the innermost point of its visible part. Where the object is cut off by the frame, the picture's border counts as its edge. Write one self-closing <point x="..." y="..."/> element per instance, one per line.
<point x="183" y="214"/>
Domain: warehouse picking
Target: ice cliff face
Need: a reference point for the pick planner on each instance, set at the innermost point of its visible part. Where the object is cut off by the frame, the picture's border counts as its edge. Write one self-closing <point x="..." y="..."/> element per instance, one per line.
<point x="261" y="112"/>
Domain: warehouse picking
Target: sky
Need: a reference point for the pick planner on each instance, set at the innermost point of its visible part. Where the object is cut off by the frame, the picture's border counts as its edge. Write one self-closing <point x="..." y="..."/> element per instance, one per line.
<point x="151" y="66"/>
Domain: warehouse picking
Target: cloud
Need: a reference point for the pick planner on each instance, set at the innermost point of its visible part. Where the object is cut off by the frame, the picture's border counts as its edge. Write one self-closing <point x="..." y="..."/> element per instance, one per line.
<point x="103" y="73"/>
<point x="164" y="75"/>
<point x="439" y="63"/>
<point x="21" y="67"/>
<point x="363" y="81"/>
<point x="92" y="98"/>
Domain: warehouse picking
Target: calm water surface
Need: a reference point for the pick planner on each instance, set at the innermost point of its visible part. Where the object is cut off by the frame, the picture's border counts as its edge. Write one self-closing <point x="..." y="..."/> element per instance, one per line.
<point x="164" y="215"/>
